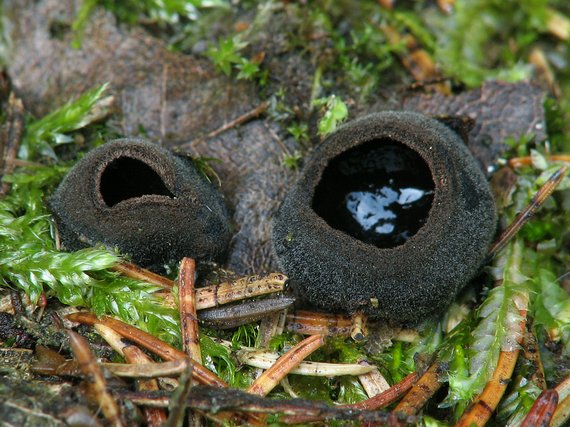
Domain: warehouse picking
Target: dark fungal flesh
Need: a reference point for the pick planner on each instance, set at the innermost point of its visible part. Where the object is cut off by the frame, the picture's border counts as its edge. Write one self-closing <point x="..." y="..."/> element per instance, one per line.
<point x="151" y="204"/>
<point x="379" y="192"/>
<point x="402" y="281"/>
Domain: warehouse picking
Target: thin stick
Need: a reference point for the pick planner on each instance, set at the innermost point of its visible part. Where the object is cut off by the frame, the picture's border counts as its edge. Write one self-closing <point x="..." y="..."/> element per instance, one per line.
<point x="482" y="408"/>
<point x="421" y="392"/>
<point x="189" y="322"/>
<point x="562" y="413"/>
<point x="245" y="287"/>
<point x="517" y="162"/>
<point x="187" y="304"/>
<point x="373" y="404"/>
<point x="263" y="359"/>
<point x="94" y="378"/>
<point x="480" y="411"/>
<point x="179" y="400"/>
<point x="388" y="397"/>
<point x="154" y="416"/>
<point x="252" y="114"/>
<point x="542" y="410"/>
<point x="153" y="344"/>
<point x="563" y="410"/>
<point x="222" y="400"/>
<point x="522" y="218"/>
<point x="312" y="323"/>
<point x="135" y="272"/>
<point x="270" y="378"/>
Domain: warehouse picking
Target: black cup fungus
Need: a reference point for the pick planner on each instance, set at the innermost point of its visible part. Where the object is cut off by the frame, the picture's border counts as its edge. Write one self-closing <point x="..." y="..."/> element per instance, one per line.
<point x="150" y="203"/>
<point x="391" y="215"/>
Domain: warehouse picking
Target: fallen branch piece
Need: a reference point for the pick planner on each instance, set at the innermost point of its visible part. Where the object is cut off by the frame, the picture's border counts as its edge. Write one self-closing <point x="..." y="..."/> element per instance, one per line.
<point x="94" y="378"/>
<point x="212" y="399"/>
<point x="373" y="404"/>
<point x="153" y="344"/>
<point x="187" y="305"/>
<point x="135" y="272"/>
<point x="264" y="360"/>
<point x="522" y="218"/>
<point x="245" y="287"/>
<point x="313" y="323"/>
<point x="421" y="392"/>
<point x="155" y="417"/>
<point x="270" y="378"/>
<point x="542" y="411"/>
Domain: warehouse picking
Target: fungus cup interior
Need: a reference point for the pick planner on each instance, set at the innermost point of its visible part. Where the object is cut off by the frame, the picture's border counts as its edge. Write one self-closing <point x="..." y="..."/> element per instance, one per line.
<point x="379" y="192"/>
<point x="127" y="178"/>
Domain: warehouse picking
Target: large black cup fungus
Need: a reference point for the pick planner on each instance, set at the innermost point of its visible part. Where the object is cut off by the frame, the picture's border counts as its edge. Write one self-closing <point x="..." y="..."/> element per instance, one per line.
<point x="391" y="215"/>
<point x="143" y="199"/>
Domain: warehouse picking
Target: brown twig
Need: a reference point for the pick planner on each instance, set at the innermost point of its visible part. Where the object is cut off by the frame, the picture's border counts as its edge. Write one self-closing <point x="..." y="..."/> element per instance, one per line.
<point x="517" y="162"/>
<point x="135" y="272"/>
<point x="542" y="410"/>
<point x="270" y="378"/>
<point x="187" y="306"/>
<point x="222" y="400"/>
<point x="373" y="404"/>
<point x="11" y="138"/>
<point x="153" y="344"/>
<point x="522" y="218"/>
<point x="483" y="406"/>
<point x="179" y="400"/>
<point x="252" y="114"/>
<point x="135" y="356"/>
<point x="154" y="416"/>
<point x="245" y="287"/>
<point x="312" y="323"/>
<point x="94" y="378"/>
<point x="427" y="385"/>
<point x="563" y="410"/>
<point x="189" y="322"/>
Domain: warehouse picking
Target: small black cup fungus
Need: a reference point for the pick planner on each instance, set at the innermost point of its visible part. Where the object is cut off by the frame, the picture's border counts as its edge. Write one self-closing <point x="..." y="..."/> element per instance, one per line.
<point x="391" y="215"/>
<point x="143" y="199"/>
